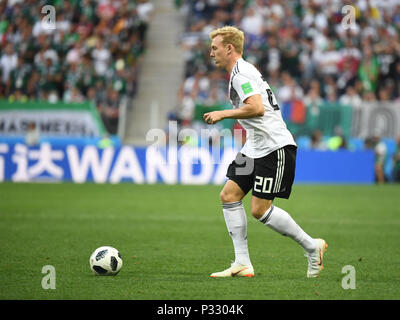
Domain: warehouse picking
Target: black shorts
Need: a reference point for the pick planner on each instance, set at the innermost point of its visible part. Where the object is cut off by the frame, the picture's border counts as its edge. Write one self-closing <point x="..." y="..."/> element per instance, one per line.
<point x="269" y="177"/>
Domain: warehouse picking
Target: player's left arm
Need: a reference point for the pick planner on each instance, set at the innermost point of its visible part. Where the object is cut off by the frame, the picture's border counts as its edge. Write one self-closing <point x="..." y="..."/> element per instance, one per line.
<point x="253" y="107"/>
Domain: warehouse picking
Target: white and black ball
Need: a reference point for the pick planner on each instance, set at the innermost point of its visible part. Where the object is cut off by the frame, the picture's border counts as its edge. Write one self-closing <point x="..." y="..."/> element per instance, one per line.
<point x="105" y="261"/>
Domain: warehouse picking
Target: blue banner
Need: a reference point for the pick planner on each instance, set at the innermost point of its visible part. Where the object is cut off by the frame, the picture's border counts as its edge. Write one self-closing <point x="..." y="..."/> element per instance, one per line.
<point x="341" y="166"/>
<point x="183" y="165"/>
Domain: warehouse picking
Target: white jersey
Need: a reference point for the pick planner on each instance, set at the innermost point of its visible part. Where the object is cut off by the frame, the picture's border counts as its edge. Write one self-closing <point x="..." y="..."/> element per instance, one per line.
<point x="264" y="134"/>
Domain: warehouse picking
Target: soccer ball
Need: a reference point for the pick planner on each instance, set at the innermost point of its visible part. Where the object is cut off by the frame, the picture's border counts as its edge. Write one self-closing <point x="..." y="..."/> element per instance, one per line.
<point x="105" y="261"/>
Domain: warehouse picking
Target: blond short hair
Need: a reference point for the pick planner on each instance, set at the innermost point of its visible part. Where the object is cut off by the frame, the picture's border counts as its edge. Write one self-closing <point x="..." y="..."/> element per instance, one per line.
<point x="230" y="35"/>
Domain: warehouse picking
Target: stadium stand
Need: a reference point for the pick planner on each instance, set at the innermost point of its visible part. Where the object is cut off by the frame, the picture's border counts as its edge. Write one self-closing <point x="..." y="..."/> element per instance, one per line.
<point x="321" y="72"/>
<point x="93" y="54"/>
<point x="314" y="60"/>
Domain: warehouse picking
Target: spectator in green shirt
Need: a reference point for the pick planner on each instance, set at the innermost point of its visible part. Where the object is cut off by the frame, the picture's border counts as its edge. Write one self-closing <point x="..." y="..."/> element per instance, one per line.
<point x="369" y="70"/>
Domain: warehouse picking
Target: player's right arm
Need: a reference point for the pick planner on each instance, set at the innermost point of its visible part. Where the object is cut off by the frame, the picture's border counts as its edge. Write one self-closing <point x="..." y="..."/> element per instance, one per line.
<point x="253" y="107"/>
<point x="248" y="92"/>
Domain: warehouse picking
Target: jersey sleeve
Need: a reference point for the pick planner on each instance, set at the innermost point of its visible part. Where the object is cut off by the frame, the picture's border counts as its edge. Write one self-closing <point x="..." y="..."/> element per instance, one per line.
<point x="244" y="86"/>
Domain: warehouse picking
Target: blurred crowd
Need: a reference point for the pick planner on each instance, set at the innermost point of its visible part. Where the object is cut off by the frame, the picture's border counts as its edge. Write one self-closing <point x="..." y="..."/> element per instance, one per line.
<point x="309" y="52"/>
<point x="92" y="54"/>
<point x="300" y="46"/>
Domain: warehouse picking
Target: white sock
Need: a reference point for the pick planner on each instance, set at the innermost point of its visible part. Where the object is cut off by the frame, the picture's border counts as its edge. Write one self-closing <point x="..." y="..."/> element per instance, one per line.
<point x="281" y="221"/>
<point x="236" y="223"/>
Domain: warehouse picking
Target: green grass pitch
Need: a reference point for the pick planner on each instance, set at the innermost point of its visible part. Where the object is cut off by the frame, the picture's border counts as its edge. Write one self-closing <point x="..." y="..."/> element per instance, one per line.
<point x="172" y="237"/>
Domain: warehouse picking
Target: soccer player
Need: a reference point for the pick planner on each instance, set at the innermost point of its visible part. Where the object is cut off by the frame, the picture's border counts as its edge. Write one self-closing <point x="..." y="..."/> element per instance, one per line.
<point x="266" y="163"/>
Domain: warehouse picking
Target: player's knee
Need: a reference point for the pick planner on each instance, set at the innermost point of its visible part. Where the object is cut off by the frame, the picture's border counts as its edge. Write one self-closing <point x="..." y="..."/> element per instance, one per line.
<point x="224" y="196"/>
<point x="228" y="197"/>
<point x="259" y="209"/>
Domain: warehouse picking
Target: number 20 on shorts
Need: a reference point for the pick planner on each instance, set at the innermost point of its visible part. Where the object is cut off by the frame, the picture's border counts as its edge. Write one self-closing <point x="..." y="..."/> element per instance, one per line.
<point x="263" y="185"/>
